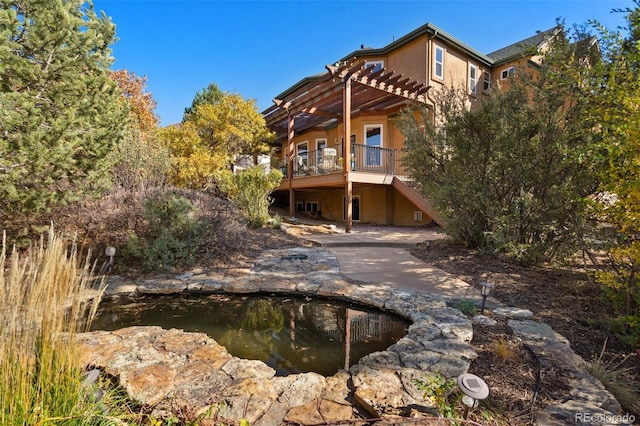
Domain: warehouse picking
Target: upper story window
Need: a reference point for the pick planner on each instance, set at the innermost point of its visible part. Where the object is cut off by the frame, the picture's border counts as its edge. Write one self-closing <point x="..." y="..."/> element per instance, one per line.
<point x="473" y="79"/>
<point x="373" y="142"/>
<point x="486" y="81"/>
<point x="377" y="65"/>
<point x="509" y="72"/>
<point x="438" y="62"/>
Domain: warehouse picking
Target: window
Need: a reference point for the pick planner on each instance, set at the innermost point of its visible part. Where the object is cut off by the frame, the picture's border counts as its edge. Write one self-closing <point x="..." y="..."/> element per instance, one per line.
<point x="302" y="161"/>
<point x="321" y="144"/>
<point x="486" y="85"/>
<point x="438" y="62"/>
<point x="373" y="142"/>
<point x="312" y="208"/>
<point x="473" y="79"/>
<point x="509" y="72"/>
<point x="377" y="65"/>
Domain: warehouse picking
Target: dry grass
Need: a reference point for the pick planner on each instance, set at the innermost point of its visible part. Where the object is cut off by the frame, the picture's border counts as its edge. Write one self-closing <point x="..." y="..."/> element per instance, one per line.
<point x="619" y="379"/>
<point x="46" y="297"/>
<point x="505" y="351"/>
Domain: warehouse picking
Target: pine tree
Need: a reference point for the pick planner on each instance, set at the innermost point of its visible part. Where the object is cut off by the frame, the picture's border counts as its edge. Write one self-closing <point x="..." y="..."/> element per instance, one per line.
<point x="209" y="95"/>
<point x="59" y="112"/>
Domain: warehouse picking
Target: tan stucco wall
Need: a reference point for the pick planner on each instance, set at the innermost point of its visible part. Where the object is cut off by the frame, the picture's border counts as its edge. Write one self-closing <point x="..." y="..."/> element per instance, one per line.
<point x="403" y="211"/>
<point x="410" y="60"/>
<point x="378" y="205"/>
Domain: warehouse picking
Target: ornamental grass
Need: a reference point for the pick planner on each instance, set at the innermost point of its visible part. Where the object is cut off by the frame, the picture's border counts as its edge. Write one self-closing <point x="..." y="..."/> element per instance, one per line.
<point x="47" y="296"/>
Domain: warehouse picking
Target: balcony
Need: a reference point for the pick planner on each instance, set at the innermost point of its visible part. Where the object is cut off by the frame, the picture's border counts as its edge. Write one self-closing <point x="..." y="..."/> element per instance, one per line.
<point x="364" y="159"/>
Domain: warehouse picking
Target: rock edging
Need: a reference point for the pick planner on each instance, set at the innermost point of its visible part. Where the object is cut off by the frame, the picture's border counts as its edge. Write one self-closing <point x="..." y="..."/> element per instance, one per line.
<point x="587" y="395"/>
<point x="170" y="369"/>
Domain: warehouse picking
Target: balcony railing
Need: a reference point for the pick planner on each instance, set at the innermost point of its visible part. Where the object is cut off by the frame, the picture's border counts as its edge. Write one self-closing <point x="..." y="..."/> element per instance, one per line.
<point x="364" y="158"/>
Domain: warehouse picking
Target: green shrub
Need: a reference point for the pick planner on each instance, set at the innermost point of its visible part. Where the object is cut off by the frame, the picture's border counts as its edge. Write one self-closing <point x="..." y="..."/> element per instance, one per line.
<point x="438" y="389"/>
<point x="172" y="237"/>
<point x="466" y="306"/>
<point x="276" y="222"/>
<point x="249" y="191"/>
<point x="627" y="329"/>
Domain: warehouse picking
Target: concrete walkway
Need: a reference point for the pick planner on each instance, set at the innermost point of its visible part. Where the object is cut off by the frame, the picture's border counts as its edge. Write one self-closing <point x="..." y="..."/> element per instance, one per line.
<point x="380" y="255"/>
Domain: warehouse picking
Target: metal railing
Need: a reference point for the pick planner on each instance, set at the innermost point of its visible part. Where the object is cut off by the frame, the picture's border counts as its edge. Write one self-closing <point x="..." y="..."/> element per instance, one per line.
<point x="318" y="162"/>
<point x="364" y="158"/>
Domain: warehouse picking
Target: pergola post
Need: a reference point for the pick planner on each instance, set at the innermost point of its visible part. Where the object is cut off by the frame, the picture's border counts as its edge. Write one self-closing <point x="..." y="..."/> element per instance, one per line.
<point x="290" y="155"/>
<point x="346" y="153"/>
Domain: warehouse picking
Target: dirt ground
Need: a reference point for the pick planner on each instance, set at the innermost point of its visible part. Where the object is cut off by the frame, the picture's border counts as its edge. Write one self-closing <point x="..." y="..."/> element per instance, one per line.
<point x="566" y="299"/>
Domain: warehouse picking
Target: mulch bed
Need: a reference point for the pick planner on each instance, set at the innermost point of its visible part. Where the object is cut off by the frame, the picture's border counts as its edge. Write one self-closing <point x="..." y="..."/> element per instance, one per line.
<point x="565" y="298"/>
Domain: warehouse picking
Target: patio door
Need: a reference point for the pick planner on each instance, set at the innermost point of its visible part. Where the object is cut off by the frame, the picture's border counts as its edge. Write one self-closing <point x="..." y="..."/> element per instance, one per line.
<point x="321" y="144"/>
<point x="355" y="208"/>
<point x="302" y="160"/>
<point x="373" y="142"/>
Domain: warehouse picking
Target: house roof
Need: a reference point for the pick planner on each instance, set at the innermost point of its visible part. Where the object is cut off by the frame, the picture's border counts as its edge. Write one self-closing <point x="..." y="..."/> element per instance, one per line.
<point x="427" y="29"/>
<point x="495" y="58"/>
<point x="523" y="47"/>
<point x="317" y="100"/>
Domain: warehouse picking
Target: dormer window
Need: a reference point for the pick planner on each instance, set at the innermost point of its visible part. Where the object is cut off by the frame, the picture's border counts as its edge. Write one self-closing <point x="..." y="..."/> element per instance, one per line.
<point x="509" y="72"/>
<point x="438" y="62"/>
<point x="377" y="65"/>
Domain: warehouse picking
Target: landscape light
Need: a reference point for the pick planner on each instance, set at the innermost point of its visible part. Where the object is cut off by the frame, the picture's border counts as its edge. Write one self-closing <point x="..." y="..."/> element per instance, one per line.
<point x="485" y="290"/>
<point x="109" y="251"/>
<point x="474" y="389"/>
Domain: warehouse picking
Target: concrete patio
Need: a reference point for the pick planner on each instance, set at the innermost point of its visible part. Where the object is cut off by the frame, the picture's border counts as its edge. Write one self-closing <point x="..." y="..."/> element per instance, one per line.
<point x="380" y="255"/>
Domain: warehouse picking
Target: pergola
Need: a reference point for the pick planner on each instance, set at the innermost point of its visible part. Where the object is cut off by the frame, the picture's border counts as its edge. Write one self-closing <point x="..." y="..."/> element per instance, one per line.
<point x="346" y="89"/>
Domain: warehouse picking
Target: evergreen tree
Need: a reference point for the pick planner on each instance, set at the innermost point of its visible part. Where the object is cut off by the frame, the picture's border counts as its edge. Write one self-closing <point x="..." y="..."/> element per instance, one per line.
<point x="60" y="115"/>
<point x="210" y="95"/>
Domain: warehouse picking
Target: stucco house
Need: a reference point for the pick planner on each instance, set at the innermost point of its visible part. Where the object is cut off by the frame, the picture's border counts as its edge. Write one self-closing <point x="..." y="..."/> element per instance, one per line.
<point x="341" y="152"/>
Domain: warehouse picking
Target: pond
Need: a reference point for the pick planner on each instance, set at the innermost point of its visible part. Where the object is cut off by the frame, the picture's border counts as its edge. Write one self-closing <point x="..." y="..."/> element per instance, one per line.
<point x="290" y="334"/>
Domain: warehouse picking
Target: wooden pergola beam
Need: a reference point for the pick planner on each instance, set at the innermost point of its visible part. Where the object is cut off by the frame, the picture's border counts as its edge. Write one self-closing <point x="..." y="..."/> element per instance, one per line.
<point x="322" y="98"/>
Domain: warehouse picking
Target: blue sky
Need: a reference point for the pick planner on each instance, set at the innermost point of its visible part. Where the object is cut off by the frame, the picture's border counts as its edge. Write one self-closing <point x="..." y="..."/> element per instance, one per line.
<point x="260" y="48"/>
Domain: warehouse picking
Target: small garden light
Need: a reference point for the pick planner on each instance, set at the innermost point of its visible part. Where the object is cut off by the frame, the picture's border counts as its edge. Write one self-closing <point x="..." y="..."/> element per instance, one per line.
<point x="485" y="289"/>
<point x="474" y="389"/>
<point x="110" y="251"/>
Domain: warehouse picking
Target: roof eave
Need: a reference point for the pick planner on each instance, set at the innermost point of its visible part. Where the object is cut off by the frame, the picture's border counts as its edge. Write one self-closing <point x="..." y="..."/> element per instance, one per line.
<point x="303" y="82"/>
<point x="427" y="29"/>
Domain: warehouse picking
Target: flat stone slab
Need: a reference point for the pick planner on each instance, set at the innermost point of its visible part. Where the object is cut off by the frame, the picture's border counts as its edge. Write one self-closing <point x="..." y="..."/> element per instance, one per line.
<point x="484" y="320"/>
<point x="587" y="394"/>
<point x="511" y="312"/>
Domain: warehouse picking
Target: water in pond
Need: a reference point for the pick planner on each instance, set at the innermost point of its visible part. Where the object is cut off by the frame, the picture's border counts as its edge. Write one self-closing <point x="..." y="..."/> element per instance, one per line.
<point x="290" y="334"/>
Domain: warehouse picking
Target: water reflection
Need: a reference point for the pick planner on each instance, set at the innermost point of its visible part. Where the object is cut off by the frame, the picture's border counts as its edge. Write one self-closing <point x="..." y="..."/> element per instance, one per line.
<point x="291" y="335"/>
